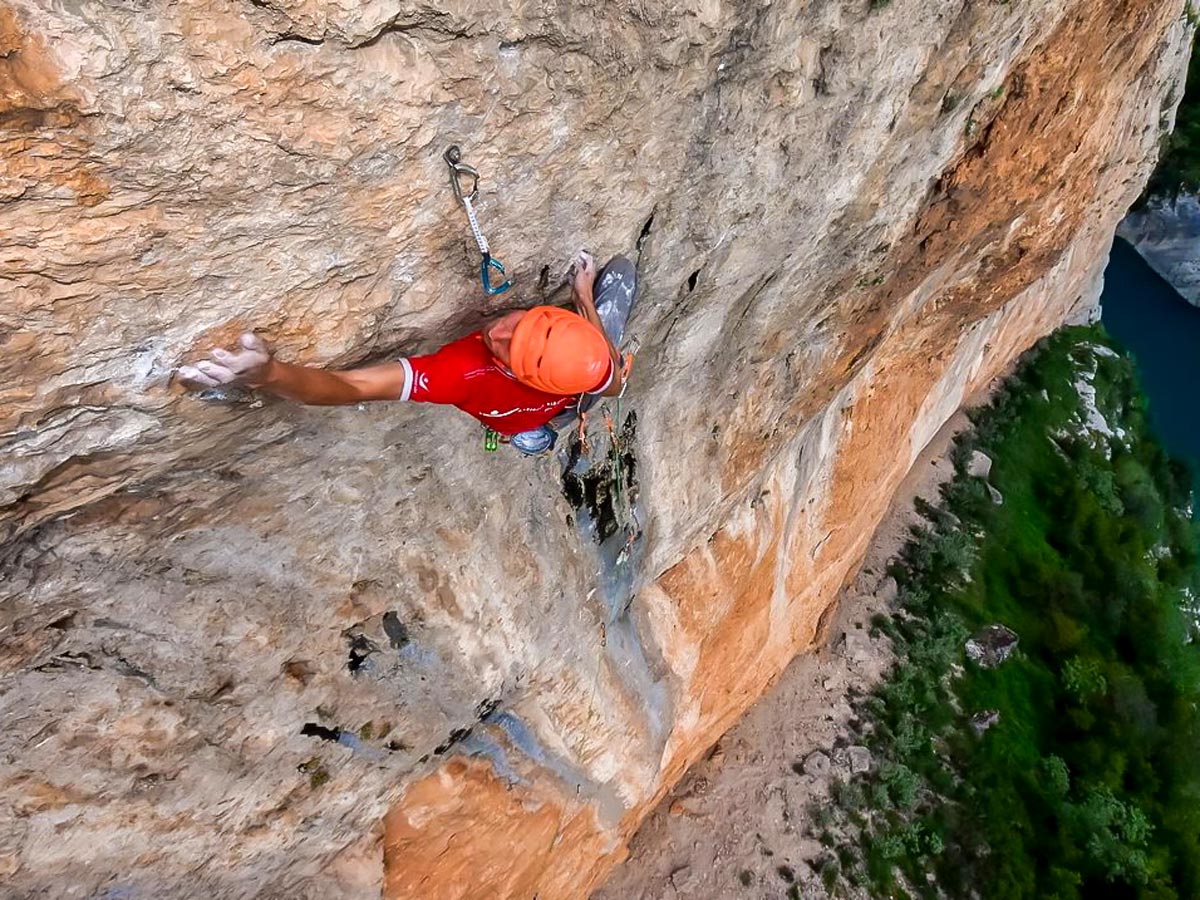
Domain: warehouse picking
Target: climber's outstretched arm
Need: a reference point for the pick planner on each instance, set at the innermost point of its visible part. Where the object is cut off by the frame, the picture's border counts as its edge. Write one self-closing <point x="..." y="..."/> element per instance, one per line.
<point x="251" y="365"/>
<point x="583" y="278"/>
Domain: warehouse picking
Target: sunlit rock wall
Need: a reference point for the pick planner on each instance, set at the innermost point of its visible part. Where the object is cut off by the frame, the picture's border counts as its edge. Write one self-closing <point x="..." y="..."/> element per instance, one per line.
<point x="237" y="635"/>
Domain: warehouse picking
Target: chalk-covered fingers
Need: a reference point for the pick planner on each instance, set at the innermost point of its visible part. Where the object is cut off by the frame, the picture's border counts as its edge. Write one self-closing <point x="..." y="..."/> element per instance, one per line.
<point x="247" y="362"/>
<point x="585" y="265"/>
<point x="245" y="365"/>
<point x="205" y="374"/>
<point x="583" y="272"/>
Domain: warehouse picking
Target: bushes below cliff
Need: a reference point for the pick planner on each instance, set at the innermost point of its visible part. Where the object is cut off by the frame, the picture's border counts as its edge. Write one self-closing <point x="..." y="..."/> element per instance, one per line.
<point x="1087" y="782"/>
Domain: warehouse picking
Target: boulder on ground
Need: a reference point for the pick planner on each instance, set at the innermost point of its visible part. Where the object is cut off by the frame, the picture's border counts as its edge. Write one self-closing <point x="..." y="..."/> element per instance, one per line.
<point x="860" y="760"/>
<point x="982" y="721"/>
<point x="816" y="764"/>
<point x="980" y="465"/>
<point x="992" y="645"/>
<point x="888" y="590"/>
<point x="856" y="646"/>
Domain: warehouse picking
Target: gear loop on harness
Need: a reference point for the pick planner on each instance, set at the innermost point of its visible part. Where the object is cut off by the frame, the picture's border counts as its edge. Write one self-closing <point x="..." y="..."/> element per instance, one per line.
<point x="458" y="169"/>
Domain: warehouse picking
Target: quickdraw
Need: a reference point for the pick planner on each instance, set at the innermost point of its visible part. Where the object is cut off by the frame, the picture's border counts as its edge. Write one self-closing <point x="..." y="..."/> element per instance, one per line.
<point x="458" y="168"/>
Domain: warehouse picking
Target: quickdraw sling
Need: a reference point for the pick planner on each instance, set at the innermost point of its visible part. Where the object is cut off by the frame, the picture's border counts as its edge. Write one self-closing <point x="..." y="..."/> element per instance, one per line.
<point x="458" y="168"/>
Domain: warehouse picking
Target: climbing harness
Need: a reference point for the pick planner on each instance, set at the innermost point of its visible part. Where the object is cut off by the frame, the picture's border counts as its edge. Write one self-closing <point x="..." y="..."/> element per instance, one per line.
<point x="458" y="168"/>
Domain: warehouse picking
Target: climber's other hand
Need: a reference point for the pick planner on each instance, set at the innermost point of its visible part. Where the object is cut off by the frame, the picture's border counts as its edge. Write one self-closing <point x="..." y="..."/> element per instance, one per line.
<point x="247" y="365"/>
<point x="583" y="272"/>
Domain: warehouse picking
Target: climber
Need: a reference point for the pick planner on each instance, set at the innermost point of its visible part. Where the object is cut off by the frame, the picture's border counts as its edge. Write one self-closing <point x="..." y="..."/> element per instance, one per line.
<point x="523" y="375"/>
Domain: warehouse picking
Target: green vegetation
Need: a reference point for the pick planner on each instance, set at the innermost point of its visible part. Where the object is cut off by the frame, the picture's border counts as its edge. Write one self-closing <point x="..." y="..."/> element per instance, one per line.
<point x="318" y="775"/>
<point x="1179" y="166"/>
<point x="1088" y="785"/>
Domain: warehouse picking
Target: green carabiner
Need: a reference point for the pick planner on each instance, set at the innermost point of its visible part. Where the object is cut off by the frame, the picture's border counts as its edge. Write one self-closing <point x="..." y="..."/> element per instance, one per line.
<point x="491" y="440"/>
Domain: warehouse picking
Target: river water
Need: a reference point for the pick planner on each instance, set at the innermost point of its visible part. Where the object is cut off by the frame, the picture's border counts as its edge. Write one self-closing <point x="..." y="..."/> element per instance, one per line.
<point x="1162" y="331"/>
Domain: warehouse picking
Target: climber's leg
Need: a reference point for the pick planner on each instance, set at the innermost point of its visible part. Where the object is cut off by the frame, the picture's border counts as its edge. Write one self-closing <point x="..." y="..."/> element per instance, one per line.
<point x="615" y="293"/>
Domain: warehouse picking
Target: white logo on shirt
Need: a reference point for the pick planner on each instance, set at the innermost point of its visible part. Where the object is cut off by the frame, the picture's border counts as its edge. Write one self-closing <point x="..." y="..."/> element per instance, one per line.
<point x="521" y="409"/>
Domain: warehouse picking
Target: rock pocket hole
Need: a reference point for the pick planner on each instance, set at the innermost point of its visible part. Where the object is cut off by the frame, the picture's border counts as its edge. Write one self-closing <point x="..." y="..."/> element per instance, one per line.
<point x="313" y="729"/>
<point x="644" y="234"/>
<point x="692" y="280"/>
<point x="64" y="623"/>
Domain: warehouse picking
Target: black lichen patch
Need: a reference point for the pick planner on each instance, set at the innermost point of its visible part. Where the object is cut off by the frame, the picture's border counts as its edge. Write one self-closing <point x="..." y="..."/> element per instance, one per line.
<point x="132" y="670"/>
<point x="486" y="707"/>
<point x="396" y="631"/>
<point x="315" y="770"/>
<point x="361" y="647"/>
<point x="458" y="734"/>
<point x="608" y="489"/>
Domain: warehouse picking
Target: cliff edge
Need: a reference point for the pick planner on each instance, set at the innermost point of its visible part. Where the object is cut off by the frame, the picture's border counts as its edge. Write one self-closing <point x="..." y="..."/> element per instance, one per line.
<point x="251" y="649"/>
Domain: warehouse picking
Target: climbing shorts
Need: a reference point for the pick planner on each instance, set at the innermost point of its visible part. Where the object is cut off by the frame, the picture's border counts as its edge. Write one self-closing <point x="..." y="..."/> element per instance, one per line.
<point x="535" y="442"/>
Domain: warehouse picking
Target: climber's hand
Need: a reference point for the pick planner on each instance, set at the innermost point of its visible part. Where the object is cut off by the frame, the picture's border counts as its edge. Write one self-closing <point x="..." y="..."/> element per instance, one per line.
<point x="583" y="273"/>
<point x="246" y="365"/>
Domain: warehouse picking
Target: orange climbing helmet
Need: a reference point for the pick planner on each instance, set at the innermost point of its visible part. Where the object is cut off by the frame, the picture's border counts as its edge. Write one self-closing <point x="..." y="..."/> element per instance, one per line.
<point x="559" y="352"/>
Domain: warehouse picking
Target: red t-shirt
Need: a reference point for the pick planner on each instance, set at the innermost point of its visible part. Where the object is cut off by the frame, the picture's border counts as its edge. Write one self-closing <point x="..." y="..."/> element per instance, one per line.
<point x="465" y="374"/>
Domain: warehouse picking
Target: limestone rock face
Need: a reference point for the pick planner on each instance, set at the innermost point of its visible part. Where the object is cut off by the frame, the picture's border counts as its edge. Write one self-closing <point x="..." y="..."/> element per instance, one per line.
<point x="1167" y="234"/>
<point x="251" y="649"/>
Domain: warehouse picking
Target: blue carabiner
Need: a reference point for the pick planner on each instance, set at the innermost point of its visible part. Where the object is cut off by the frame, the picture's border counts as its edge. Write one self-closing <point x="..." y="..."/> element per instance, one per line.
<point x="486" y="276"/>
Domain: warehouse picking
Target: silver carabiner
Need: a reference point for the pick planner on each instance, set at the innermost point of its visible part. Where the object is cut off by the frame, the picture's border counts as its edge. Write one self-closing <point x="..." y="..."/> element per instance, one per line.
<point x="458" y="168"/>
